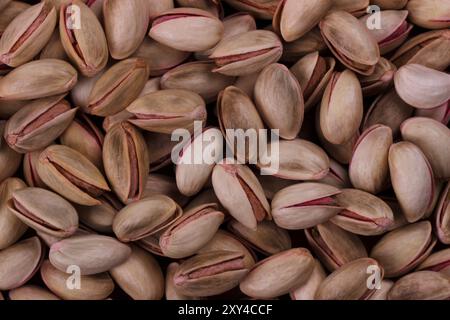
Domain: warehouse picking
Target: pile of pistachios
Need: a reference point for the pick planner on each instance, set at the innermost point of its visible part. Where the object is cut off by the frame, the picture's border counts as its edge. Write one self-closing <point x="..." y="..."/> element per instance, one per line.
<point x="94" y="206"/>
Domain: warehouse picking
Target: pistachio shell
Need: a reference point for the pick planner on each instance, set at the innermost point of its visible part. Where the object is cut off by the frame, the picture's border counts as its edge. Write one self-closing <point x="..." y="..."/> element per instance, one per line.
<point x="307" y="291"/>
<point x="421" y="285"/>
<point x="54" y="48"/>
<point x="31" y="292"/>
<point x="309" y="43"/>
<point x="162" y="184"/>
<point x="10" y="10"/>
<point x="390" y="4"/>
<point x="355" y="7"/>
<point x="381" y="79"/>
<point x="31" y="176"/>
<point x="443" y="216"/>
<point x="170" y="291"/>
<point x="438" y="261"/>
<point x="9" y="159"/>
<point x="263" y="9"/>
<point x="430" y="14"/>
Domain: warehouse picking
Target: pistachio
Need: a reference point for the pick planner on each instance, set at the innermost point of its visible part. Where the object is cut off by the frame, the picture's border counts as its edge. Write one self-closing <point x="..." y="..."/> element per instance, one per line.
<point x="369" y="167"/>
<point x="279" y="100"/>
<point x="155" y="8"/>
<point x="9" y="159"/>
<point x="309" y="43"/>
<point x="30" y="161"/>
<point x="38" y="79"/>
<point x="421" y="285"/>
<point x="100" y="217"/>
<point x="247" y="83"/>
<point x="145" y="217"/>
<point x="181" y="240"/>
<point x="349" y="282"/>
<point x="442" y="221"/>
<point x="206" y="196"/>
<point x="313" y="73"/>
<point x="118" y="87"/>
<point x="364" y="213"/>
<point x="381" y="294"/>
<point x="355" y="7"/>
<point x="438" y="261"/>
<point x="93" y="287"/>
<point x="31" y="292"/>
<point x="350" y="42"/>
<point x="273" y="184"/>
<point x="334" y="246"/>
<point x="12" y="228"/>
<point x="92" y="253"/>
<point x="337" y="176"/>
<point x="140" y="276"/>
<point x="162" y="184"/>
<point x="294" y="18"/>
<point x="151" y="244"/>
<point x="263" y="9"/>
<point x="197" y="77"/>
<point x="276" y="275"/>
<point x="171" y="293"/>
<point x="304" y="205"/>
<point x="381" y="79"/>
<point x="80" y="93"/>
<point x="54" y="48"/>
<point x="267" y="239"/>
<point x="71" y="174"/>
<point x="430" y="14"/>
<point x="187" y="29"/>
<point x="307" y="290"/>
<point x="422" y="87"/>
<point x="335" y="101"/>
<point x="27" y="34"/>
<point x="210" y="273"/>
<point x="126" y="162"/>
<point x="412" y="179"/>
<point x="126" y="25"/>
<point x="212" y="6"/>
<point x="441" y="113"/>
<point x="398" y="260"/>
<point x="247" y="52"/>
<point x="341" y="152"/>
<point x="10" y="10"/>
<point x="37" y="124"/>
<point x="44" y="211"/>
<point x="86" y="46"/>
<point x="390" y="4"/>
<point x="240" y="192"/>
<point x="166" y="110"/>
<point x="19" y="262"/>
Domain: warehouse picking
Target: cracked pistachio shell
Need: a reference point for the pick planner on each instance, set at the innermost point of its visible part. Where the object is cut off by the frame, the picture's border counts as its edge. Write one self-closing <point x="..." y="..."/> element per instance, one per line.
<point x="279" y="273"/>
<point x="118" y="87"/>
<point x="313" y="73"/>
<point x="226" y="241"/>
<point x="126" y="162"/>
<point x="443" y="216"/>
<point x="438" y="261"/>
<point x="10" y="10"/>
<point x="388" y="109"/>
<point x="9" y="159"/>
<point x="54" y="48"/>
<point x="369" y="167"/>
<point x="93" y="287"/>
<point x="397" y="258"/>
<point x="182" y="239"/>
<point x="247" y="53"/>
<point x="307" y="290"/>
<point x="337" y="176"/>
<point x="44" y="211"/>
<point x="100" y="218"/>
<point x="393" y="31"/>
<point x="341" y="110"/>
<point x="381" y="79"/>
<point x="38" y="79"/>
<point x="350" y="41"/>
<point x="294" y="18"/>
<point x="19" y="262"/>
<point x="433" y="138"/>
<point x="304" y="205"/>
<point x="165" y="185"/>
<point x="151" y="244"/>
<point x="429" y="14"/>
<point x="31" y="292"/>
<point x="92" y="253"/>
<point x="145" y="217"/>
<point x="30" y="174"/>
<point x="37" y="124"/>
<point x="309" y="43"/>
<point x="235" y="110"/>
<point x="197" y="77"/>
<point x="210" y="273"/>
<point x="85" y="46"/>
<point x="71" y="174"/>
<point x="12" y="228"/>
<point x="422" y="87"/>
<point x="349" y="282"/>
<point x="390" y="4"/>
<point x="279" y="100"/>
<point x="441" y="113"/>
<point x="268" y="238"/>
<point x="421" y="285"/>
<point x="27" y="34"/>
<point x="126" y="24"/>
<point x="240" y="192"/>
<point x="164" y="111"/>
<point x="412" y="179"/>
<point x="334" y="246"/>
<point x="190" y="173"/>
<point x="429" y="49"/>
<point x="363" y="214"/>
<point x="298" y="160"/>
<point x="160" y="58"/>
<point x="140" y="276"/>
<point x="85" y="137"/>
<point x="187" y="29"/>
<point x="170" y="292"/>
<point x="261" y="9"/>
